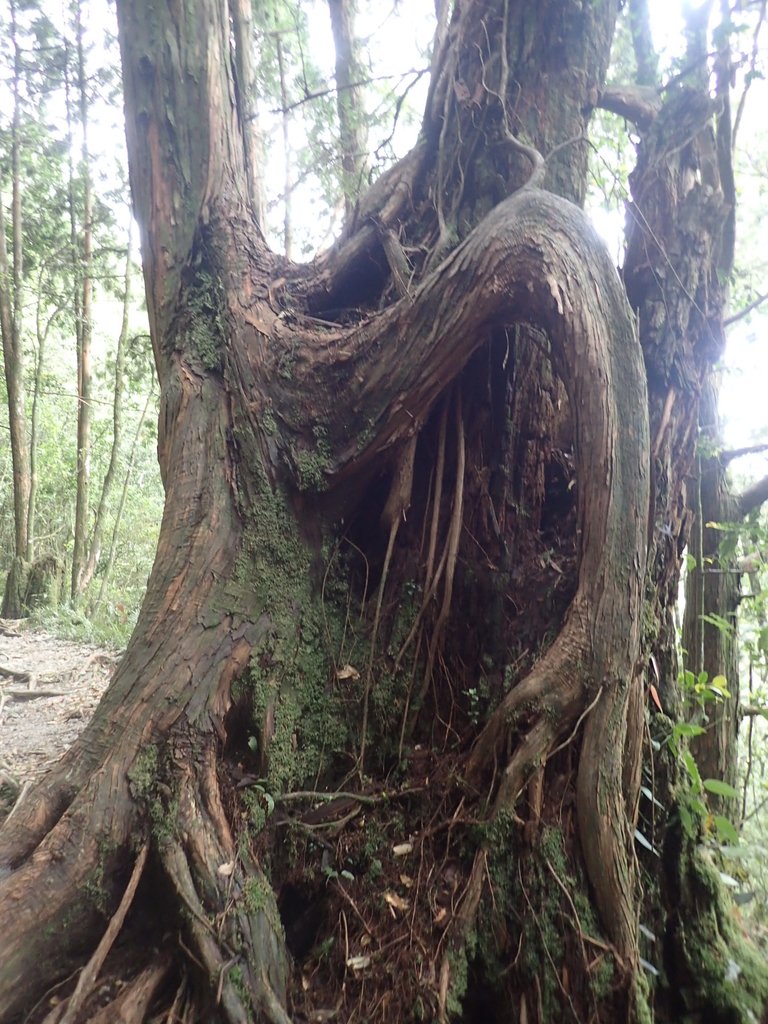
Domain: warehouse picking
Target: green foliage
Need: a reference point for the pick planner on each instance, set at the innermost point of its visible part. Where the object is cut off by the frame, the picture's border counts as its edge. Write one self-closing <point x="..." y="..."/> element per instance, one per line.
<point x="258" y="894"/>
<point x="204" y="308"/>
<point x="145" y="777"/>
<point x="111" y="629"/>
<point x="260" y="899"/>
<point x="52" y="185"/>
<point x="260" y="805"/>
<point x="719" y="787"/>
<point x="693" y="807"/>
<point x="699" y="690"/>
<point x="301" y="104"/>
<point x="311" y="464"/>
<point x="144" y="771"/>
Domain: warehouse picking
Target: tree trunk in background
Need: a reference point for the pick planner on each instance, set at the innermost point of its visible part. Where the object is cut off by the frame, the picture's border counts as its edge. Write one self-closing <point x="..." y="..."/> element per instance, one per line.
<point x="287" y="151"/>
<point x="11" y="319"/>
<point x="11" y="326"/>
<point x="95" y="539"/>
<point x="82" y="248"/>
<point x="377" y="743"/>
<point x="350" y="104"/>
<point x="642" y="43"/>
<point x="241" y="13"/>
<point x="713" y="584"/>
<point x="712" y="598"/>
<point x="106" y="574"/>
<point x="712" y="590"/>
<point x="44" y="322"/>
<point x="680" y="248"/>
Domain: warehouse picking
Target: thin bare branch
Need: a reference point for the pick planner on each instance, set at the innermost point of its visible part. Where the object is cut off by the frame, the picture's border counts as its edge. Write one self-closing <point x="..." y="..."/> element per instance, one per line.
<point x="753" y="711"/>
<point x="753" y="497"/>
<point x="738" y="453"/>
<point x="750" y="76"/>
<point x="746" y="310"/>
<point x="333" y="90"/>
<point x="637" y="103"/>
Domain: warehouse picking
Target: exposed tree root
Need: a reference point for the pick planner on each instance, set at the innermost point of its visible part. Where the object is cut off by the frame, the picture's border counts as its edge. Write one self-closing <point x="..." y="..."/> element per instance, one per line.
<point x="548" y="700"/>
<point x="451" y="553"/>
<point x="90" y="972"/>
<point x="232" y="917"/>
<point x="129" y="1007"/>
<point x="134" y="1001"/>
<point x="60" y="867"/>
<point x="604" y="823"/>
<point x="397" y="505"/>
<point x="437" y="503"/>
<point x="431" y="576"/>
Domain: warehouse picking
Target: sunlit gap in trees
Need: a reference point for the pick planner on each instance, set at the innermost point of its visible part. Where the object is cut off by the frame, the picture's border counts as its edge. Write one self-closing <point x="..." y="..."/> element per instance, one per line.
<point x="395" y="56"/>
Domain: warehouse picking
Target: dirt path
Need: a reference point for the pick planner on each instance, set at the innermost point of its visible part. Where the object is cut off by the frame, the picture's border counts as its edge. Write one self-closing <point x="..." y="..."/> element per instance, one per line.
<point x="48" y="691"/>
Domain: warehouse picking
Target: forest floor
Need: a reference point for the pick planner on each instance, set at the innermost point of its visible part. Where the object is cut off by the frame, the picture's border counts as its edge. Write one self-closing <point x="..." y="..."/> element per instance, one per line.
<point x="48" y="691"/>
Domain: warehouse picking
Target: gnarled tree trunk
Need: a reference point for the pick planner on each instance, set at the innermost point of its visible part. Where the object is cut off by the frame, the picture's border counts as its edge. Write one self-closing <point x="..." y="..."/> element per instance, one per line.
<point x="400" y="576"/>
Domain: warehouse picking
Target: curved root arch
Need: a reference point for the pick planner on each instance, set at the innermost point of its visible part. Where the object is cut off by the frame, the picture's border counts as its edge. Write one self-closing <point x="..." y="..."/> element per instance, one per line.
<point x="535" y="259"/>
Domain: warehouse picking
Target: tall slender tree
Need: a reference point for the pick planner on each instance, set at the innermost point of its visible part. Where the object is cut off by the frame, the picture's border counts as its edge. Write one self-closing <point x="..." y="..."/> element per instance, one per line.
<point x="82" y="252"/>
<point x="12" y="312"/>
<point x="118" y="401"/>
<point x="350" y="106"/>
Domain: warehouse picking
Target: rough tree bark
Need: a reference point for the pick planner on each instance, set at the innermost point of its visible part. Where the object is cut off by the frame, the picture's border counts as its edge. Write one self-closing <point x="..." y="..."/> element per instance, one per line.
<point x="82" y="255"/>
<point x="465" y="455"/>
<point x="350" y="105"/>
<point x="11" y="328"/>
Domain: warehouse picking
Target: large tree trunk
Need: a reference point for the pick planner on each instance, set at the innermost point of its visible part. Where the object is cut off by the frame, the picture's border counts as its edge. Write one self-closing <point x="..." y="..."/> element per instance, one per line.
<point x="403" y="555"/>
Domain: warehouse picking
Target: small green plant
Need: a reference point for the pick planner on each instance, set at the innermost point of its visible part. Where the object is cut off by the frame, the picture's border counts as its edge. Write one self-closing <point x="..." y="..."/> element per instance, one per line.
<point x="331" y="874"/>
<point x="260" y="804"/>
<point x="698" y="692"/>
<point x="700" y="689"/>
<point x="473" y="704"/>
<point x="696" y="806"/>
